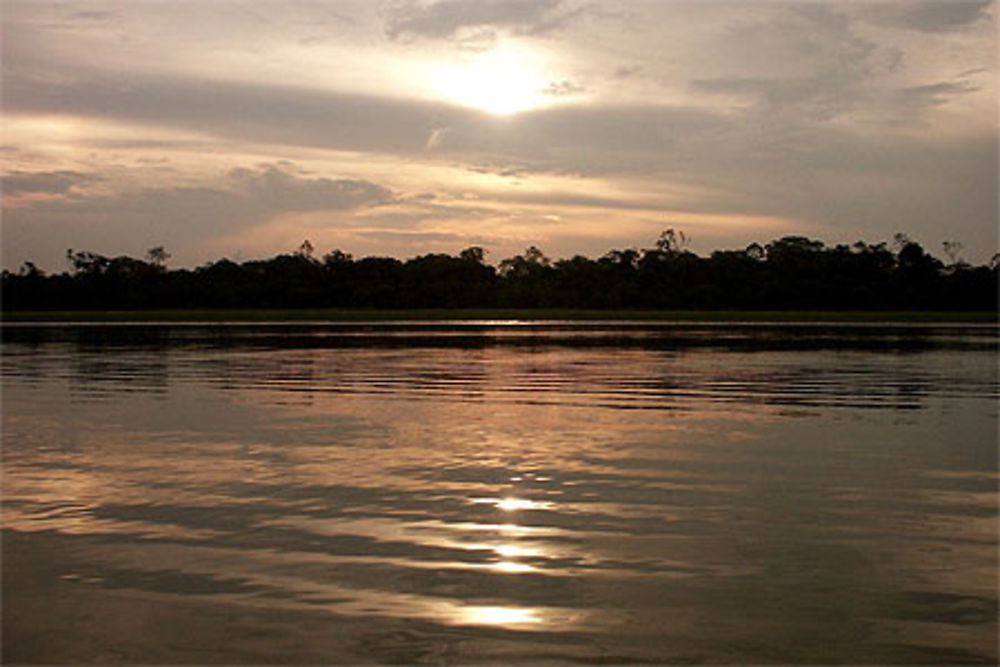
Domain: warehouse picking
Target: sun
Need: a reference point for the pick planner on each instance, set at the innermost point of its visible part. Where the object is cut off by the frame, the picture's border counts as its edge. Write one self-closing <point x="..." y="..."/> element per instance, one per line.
<point x="501" y="82"/>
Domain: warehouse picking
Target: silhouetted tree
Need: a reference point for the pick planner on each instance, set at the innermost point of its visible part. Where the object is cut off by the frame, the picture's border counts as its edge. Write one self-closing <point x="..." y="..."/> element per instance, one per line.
<point x="474" y="254"/>
<point x="953" y="249"/>
<point x="158" y="256"/>
<point x="87" y="263"/>
<point x="755" y="251"/>
<point x="671" y="241"/>
<point x="790" y="272"/>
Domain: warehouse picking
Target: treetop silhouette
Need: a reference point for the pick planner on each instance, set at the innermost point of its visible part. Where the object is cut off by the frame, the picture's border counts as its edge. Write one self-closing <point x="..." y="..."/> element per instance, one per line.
<point x="792" y="272"/>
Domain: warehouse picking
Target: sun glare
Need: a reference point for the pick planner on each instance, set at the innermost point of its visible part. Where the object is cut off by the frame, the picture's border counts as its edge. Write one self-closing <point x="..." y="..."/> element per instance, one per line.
<point x="501" y="82"/>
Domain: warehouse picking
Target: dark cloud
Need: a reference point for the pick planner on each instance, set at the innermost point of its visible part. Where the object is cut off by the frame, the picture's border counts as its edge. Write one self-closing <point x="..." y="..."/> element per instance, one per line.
<point x="771" y="92"/>
<point x="804" y="36"/>
<point x="47" y="182"/>
<point x="279" y="188"/>
<point x="244" y="194"/>
<point x="929" y="16"/>
<point x="263" y="113"/>
<point x="935" y="94"/>
<point x="809" y="63"/>
<point x="43" y="81"/>
<point x="445" y="19"/>
<point x="855" y="184"/>
<point x="579" y="140"/>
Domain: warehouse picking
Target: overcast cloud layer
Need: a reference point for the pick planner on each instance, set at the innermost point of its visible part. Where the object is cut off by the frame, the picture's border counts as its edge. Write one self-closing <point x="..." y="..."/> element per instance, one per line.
<point x="240" y="129"/>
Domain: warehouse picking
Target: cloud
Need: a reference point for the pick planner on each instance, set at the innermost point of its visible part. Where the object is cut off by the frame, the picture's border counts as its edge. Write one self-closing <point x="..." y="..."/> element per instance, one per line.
<point x="935" y="94"/>
<point x="266" y="113"/>
<point x="409" y="236"/>
<point x="859" y="185"/>
<point x="280" y="188"/>
<point x="808" y="111"/>
<point x="790" y="69"/>
<point x="769" y="92"/>
<point x="929" y="15"/>
<point x="808" y="62"/>
<point x="46" y="182"/>
<point x="794" y="165"/>
<point x="580" y="140"/>
<point x="91" y="15"/>
<point x="584" y="139"/>
<point x="244" y="194"/>
<point x="179" y="216"/>
<point x="503" y="168"/>
<point x="913" y="105"/>
<point x="563" y="88"/>
<point x="628" y="71"/>
<point x="448" y="19"/>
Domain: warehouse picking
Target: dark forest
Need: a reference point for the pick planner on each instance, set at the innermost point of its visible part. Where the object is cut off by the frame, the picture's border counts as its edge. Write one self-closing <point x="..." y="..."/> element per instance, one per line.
<point x="792" y="272"/>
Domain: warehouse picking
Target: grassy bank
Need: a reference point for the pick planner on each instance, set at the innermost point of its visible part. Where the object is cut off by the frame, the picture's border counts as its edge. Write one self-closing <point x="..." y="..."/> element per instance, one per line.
<point x="379" y="315"/>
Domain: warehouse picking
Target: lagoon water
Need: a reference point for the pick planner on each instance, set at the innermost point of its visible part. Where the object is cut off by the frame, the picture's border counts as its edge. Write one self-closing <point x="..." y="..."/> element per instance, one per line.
<point x="500" y="492"/>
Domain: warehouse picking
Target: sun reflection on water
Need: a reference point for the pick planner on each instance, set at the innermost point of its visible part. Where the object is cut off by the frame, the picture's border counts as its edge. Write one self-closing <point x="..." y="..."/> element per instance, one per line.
<point x="515" y="551"/>
<point x="513" y="567"/>
<point x="499" y="616"/>
<point x="510" y="504"/>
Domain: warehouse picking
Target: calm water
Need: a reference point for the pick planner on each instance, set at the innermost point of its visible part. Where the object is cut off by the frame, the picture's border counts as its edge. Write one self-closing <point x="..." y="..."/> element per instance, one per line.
<point x="501" y="492"/>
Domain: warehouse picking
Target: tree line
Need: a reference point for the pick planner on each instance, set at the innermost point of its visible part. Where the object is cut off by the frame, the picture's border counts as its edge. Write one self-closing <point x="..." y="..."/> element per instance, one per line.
<point x="792" y="272"/>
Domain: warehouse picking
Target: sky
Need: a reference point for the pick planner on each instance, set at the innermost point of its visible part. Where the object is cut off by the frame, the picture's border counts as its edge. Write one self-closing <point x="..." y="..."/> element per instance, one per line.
<point x="225" y="128"/>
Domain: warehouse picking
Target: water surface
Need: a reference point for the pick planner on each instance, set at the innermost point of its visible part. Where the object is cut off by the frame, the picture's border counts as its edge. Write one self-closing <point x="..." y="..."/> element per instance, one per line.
<point x="462" y="492"/>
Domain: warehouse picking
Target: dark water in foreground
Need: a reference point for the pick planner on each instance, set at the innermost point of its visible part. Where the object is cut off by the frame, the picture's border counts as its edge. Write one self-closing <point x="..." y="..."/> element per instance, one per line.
<point x="500" y="492"/>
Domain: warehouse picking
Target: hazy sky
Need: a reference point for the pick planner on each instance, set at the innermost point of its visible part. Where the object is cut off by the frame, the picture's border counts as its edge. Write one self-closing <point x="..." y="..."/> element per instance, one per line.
<point x="228" y="128"/>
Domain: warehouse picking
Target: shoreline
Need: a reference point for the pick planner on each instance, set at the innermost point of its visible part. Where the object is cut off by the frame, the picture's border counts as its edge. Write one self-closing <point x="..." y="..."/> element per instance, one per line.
<point x="321" y="315"/>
